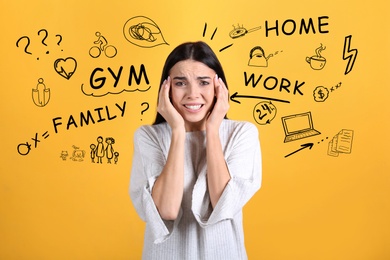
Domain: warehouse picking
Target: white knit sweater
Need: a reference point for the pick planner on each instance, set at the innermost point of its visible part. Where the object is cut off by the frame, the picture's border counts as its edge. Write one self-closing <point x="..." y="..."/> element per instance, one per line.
<point x="199" y="232"/>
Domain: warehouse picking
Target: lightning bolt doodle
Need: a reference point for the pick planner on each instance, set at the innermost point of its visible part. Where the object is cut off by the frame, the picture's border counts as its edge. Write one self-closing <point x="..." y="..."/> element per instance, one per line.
<point x="349" y="54"/>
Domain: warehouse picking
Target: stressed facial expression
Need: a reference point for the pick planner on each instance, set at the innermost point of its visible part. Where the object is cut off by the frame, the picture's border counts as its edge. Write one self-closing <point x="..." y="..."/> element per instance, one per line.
<point x="192" y="92"/>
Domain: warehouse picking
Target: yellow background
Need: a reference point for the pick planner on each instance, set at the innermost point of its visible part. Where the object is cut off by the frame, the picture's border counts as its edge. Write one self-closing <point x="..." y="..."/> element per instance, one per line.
<point x="311" y="205"/>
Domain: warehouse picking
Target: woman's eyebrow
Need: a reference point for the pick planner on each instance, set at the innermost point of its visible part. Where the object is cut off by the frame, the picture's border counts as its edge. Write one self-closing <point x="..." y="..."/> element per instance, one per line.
<point x="180" y="78"/>
<point x="204" y="77"/>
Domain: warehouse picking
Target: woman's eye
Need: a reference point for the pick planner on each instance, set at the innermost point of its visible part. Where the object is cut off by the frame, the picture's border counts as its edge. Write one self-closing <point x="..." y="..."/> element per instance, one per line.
<point x="204" y="83"/>
<point x="179" y="83"/>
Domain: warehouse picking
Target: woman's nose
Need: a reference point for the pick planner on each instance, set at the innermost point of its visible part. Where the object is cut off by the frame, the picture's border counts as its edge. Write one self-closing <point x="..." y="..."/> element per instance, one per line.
<point x="193" y="91"/>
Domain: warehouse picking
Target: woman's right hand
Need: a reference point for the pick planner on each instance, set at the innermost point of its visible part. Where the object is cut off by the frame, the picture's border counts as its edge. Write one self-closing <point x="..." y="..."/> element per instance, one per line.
<point x="166" y="109"/>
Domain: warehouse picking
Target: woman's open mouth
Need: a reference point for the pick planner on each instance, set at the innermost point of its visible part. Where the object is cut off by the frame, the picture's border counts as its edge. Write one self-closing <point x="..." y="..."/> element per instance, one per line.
<point x="193" y="107"/>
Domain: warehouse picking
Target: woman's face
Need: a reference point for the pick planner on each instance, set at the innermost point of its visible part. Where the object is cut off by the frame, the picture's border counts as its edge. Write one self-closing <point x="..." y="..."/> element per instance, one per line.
<point x="192" y="92"/>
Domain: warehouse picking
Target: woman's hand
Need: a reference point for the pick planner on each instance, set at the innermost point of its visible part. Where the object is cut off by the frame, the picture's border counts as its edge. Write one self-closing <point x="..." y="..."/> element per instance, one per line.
<point x="221" y="105"/>
<point x="166" y="109"/>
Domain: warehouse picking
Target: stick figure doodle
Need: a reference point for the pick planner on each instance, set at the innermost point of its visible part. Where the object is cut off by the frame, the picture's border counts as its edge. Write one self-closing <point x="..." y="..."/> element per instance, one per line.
<point x="41" y="94"/>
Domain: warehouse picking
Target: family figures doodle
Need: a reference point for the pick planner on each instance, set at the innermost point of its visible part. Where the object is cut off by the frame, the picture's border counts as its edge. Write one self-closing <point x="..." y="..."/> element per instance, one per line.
<point x="101" y="150"/>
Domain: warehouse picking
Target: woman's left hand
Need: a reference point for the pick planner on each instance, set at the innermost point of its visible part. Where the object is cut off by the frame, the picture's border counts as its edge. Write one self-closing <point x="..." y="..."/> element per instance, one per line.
<point x="221" y="105"/>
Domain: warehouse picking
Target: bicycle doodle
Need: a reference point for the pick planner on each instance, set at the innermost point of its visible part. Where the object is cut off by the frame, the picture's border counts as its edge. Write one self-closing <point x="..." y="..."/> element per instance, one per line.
<point x="102" y="46"/>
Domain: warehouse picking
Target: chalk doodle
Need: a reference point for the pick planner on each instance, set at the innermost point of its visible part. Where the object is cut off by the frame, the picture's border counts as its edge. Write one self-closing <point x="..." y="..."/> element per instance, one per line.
<point x="322" y="140"/>
<point x="65" y="67"/>
<point x="43" y="36"/>
<point x="58" y="43"/>
<point x="240" y="31"/>
<point x="102" y="46"/>
<point x="273" y="83"/>
<point x="100" y="85"/>
<point x="27" y="44"/>
<point x="143" y="32"/>
<point x="64" y="155"/>
<point x="41" y="94"/>
<point x="100" y="150"/>
<point x="321" y="93"/>
<point x="97" y="115"/>
<point x="25" y="148"/>
<point x="264" y="112"/>
<point x="212" y="37"/>
<point x="103" y="148"/>
<point x="144" y="110"/>
<point x="290" y="26"/>
<point x="298" y="126"/>
<point x="235" y="96"/>
<point x="317" y="62"/>
<point x="341" y="143"/>
<point x="78" y="155"/>
<point x="257" y="57"/>
<point x="303" y="146"/>
<point x="349" y="54"/>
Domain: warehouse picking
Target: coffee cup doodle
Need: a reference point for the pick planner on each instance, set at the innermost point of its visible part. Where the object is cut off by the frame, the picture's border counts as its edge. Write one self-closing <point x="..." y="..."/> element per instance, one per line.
<point x="317" y="62"/>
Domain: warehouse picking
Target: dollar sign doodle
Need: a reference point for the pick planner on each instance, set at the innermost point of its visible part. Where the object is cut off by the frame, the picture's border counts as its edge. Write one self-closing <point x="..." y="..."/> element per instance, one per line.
<point x="321" y="94"/>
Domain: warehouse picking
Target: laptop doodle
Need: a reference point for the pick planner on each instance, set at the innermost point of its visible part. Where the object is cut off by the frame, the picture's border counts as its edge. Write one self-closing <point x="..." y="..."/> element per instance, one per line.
<point x="298" y="126"/>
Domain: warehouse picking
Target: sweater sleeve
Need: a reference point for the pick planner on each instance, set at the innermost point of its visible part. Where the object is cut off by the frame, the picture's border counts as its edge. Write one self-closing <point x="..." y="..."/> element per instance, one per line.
<point x="243" y="159"/>
<point x="148" y="162"/>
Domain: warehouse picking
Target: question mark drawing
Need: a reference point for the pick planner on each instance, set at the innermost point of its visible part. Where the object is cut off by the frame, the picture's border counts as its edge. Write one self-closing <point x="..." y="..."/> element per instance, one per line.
<point x="28" y="43"/>
<point x="147" y="107"/>
<point x="44" y="38"/>
<point x="58" y="43"/>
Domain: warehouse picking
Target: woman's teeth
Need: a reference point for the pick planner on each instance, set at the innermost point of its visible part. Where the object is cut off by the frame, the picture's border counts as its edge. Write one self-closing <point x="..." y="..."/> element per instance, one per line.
<point x="193" y="107"/>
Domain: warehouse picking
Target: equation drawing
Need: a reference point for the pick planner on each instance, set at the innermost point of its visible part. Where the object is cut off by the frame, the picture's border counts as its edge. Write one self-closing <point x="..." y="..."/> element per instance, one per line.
<point x="317" y="62"/>
<point x="143" y="32"/>
<point x="341" y="143"/>
<point x="298" y="126"/>
<point x="41" y="94"/>
<point x="102" y="46"/>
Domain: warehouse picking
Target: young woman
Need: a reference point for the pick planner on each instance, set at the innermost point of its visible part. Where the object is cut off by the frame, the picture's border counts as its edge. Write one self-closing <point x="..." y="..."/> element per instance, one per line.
<point x="193" y="170"/>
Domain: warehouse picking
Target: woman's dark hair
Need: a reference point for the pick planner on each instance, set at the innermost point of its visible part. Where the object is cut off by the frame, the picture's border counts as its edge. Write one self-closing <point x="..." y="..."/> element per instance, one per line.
<point x="197" y="51"/>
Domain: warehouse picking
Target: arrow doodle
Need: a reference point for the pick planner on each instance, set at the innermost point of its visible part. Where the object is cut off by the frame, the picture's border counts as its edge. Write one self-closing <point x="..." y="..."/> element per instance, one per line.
<point x="303" y="146"/>
<point x="235" y="96"/>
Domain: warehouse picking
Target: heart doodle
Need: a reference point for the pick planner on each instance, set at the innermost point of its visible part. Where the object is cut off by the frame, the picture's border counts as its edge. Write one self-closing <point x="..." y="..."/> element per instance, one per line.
<point x="65" y="67"/>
